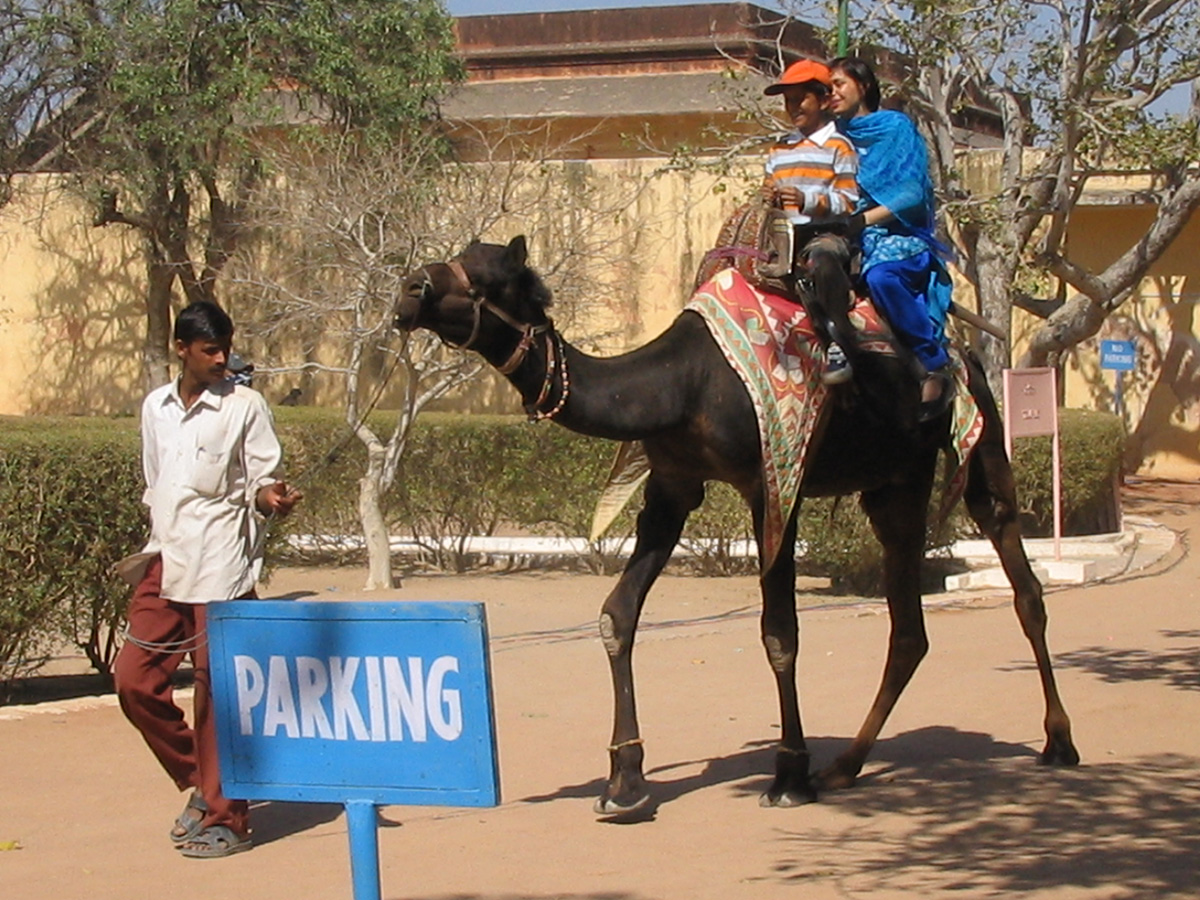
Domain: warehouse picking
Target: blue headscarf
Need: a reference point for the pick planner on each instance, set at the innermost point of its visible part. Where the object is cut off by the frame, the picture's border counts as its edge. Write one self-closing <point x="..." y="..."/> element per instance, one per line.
<point x="893" y="170"/>
<point x="893" y="166"/>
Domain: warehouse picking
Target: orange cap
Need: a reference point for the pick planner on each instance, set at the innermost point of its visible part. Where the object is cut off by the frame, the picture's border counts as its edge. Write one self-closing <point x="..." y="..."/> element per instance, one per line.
<point x="800" y="72"/>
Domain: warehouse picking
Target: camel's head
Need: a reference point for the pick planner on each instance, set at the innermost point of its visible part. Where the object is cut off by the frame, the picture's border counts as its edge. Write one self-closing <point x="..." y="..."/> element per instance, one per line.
<point x="484" y="285"/>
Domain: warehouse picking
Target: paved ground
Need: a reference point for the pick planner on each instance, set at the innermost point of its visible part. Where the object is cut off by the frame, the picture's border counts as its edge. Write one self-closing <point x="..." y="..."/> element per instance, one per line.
<point x="952" y="802"/>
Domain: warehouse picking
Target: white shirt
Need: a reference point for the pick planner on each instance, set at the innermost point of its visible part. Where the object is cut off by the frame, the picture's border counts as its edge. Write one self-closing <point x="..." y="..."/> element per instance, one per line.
<point x="203" y="468"/>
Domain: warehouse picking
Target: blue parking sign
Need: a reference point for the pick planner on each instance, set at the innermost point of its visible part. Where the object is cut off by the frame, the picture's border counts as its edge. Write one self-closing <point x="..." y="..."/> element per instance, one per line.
<point x="356" y="703"/>
<point x="325" y="702"/>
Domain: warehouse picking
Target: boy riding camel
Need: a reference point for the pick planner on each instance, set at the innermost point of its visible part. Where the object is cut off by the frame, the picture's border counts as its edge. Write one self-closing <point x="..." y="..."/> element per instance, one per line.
<point x="810" y="176"/>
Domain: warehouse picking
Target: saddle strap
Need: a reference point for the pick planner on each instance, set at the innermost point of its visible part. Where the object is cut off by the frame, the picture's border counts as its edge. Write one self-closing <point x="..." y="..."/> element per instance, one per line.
<point x="733" y="251"/>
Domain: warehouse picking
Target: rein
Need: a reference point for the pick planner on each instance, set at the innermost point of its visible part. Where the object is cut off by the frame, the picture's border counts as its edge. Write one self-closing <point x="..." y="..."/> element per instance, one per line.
<point x="556" y="357"/>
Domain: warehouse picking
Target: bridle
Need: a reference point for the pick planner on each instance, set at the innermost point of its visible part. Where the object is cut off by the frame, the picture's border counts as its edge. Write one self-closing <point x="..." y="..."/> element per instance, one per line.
<point x="556" y="357"/>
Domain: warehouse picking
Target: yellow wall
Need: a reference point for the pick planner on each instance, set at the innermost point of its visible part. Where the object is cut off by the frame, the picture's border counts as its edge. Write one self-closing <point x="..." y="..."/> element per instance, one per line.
<point x="1162" y="395"/>
<point x="71" y="306"/>
<point x="70" y="309"/>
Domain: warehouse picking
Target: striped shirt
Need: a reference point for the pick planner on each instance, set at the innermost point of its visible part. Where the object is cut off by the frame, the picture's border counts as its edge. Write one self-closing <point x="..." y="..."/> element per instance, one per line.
<point x="823" y="166"/>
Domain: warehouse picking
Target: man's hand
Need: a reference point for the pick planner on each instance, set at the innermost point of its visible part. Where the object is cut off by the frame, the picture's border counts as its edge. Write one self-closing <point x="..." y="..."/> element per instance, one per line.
<point x="276" y="500"/>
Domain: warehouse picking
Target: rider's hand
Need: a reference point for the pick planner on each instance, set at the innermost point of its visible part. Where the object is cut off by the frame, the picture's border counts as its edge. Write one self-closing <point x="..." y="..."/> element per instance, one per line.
<point x="790" y="197"/>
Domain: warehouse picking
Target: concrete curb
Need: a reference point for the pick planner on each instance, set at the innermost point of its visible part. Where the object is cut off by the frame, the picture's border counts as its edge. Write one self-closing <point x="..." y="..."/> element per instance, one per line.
<point x="1083" y="559"/>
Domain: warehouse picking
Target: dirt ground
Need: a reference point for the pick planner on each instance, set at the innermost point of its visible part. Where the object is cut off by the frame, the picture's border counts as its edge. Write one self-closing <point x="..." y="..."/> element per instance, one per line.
<point x="953" y="801"/>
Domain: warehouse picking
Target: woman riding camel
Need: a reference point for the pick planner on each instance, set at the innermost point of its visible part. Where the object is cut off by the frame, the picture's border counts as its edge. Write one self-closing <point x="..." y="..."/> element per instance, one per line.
<point x="902" y="260"/>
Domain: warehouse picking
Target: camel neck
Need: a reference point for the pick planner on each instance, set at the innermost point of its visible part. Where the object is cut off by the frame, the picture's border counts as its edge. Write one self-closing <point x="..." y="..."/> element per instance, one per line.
<point x="620" y="398"/>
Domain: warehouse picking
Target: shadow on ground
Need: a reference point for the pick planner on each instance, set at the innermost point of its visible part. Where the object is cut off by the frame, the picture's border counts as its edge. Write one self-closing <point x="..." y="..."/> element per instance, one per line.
<point x="975" y="813"/>
<point x="274" y="819"/>
<point x="1175" y="667"/>
<point x="1010" y="827"/>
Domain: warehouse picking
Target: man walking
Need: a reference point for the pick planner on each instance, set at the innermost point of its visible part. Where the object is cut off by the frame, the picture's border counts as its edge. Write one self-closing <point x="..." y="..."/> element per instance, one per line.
<point x="212" y="465"/>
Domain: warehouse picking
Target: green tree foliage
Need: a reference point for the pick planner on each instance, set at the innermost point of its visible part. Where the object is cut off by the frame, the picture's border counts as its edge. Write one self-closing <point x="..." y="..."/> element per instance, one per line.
<point x="160" y="107"/>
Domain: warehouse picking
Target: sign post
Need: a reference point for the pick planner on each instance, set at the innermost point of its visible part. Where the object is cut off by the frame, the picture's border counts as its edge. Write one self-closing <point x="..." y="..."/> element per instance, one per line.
<point x="1119" y="356"/>
<point x="1031" y="409"/>
<point x="355" y="703"/>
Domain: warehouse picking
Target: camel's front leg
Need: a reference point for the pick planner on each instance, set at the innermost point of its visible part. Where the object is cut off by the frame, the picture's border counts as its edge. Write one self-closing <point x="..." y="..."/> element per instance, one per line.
<point x="781" y="639"/>
<point x="897" y="514"/>
<point x="658" y="528"/>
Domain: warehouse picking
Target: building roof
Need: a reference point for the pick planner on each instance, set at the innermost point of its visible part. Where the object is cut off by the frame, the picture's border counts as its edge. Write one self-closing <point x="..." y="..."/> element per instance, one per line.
<point x="660" y="71"/>
<point x="696" y="37"/>
<point x="649" y="94"/>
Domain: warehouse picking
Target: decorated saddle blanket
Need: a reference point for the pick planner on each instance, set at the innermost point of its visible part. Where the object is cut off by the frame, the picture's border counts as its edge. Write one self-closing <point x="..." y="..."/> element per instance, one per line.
<point x="771" y="343"/>
<point x="966" y="428"/>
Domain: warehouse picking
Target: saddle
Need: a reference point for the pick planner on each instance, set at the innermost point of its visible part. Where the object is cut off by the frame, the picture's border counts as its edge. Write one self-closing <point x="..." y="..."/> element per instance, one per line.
<point x="762" y="244"/>
<point x="750" y="241"/>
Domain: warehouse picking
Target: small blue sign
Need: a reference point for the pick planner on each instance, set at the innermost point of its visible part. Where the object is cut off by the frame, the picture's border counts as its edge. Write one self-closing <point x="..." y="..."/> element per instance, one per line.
<point x="386" y="703"/>
<point x="1119" y="355"/>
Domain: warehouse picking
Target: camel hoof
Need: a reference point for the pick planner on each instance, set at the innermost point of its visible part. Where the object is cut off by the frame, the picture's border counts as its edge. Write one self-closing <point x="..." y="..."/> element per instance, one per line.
<point x="608" y="807"/>
<point x="787" y="799"/>
<point x="1059" y="752"/>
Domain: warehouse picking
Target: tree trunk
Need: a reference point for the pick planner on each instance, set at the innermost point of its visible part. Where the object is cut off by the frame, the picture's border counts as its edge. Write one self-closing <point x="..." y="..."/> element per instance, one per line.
<point x="156" y="352"/>
<point x="995" y="304"/>
<point x="375" y="534"/>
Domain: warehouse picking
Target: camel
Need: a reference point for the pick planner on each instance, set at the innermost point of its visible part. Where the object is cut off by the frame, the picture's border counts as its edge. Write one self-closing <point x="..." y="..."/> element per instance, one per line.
<point x="683" y="401"/>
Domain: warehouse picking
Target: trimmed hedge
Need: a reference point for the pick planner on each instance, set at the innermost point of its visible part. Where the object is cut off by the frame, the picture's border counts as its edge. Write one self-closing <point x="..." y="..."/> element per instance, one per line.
<point x="1091" y="445"/>
<point x="70" y="491"/>
<point x="70" y="506"/>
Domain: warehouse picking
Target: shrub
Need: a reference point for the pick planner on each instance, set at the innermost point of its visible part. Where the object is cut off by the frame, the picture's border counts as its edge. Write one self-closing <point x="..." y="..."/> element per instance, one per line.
<point x="1091" y="445"/>
<point x="70" y="499"/>
<point x="325" y="460"/>
<point x="722" y="523"/>
<point x="476" y="475"/>
<point x="71" y="496"/>
<point x="457" y="478"/>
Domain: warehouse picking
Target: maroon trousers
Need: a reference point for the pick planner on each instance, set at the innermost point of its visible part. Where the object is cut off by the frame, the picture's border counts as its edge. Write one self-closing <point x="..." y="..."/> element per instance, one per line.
<point x="143" y="679"/>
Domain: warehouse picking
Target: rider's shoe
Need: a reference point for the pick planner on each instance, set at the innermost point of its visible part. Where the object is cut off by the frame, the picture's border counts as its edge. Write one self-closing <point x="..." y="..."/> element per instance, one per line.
<point x="837" y="367"/>
<point x="934" y="405"/>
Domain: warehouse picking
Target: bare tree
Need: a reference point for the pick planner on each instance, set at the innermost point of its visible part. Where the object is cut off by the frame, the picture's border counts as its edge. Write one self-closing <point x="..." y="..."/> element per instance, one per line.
<point x="30" y="94"/>
<point x="342" y="223"/>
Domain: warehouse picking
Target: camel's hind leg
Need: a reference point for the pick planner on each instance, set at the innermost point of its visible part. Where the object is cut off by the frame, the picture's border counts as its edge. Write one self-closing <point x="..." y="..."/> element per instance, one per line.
<point x="897" y="513"/>
<point x="666" y="508"/>
<point x="991" y="499"/>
